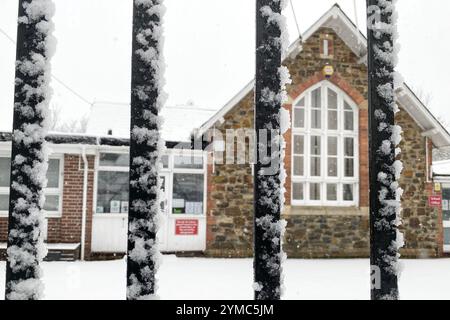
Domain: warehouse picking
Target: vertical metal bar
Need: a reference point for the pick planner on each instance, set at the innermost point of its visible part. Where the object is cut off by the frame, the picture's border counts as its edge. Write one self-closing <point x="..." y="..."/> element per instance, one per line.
<point x="382" y="152"/>
<point x="145" y="146"/>
<point x="267" y="206"/>
<point x="28" y="157"/>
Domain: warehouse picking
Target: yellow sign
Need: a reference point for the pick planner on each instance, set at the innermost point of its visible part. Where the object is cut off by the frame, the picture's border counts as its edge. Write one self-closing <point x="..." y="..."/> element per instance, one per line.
<point x="437" y="187"/>
<point x="328" y="71"/>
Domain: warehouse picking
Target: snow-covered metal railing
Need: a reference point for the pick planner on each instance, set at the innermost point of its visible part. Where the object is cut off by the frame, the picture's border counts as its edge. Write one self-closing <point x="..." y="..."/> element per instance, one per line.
<point x="146" y="145"/>
<point x="384" y="137"/>
<point x="29" y="159"/>
<point x="271" y="122"/>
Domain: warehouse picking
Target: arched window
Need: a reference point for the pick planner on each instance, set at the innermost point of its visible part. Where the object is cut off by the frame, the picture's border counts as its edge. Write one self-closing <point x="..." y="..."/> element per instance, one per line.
<point x="325" y="166"/>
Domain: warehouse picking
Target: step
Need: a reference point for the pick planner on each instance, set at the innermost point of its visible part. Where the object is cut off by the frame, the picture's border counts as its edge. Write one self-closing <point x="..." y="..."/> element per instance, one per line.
<point x="56" y="251"/>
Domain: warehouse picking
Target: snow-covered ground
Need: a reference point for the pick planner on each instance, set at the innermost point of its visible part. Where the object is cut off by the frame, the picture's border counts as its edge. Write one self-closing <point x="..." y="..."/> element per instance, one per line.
<point x="210" y="279"/>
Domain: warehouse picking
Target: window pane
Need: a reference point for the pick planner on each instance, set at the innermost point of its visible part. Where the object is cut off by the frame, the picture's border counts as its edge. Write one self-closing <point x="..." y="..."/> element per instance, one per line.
<point x="114" y="159"/>
<point x="314" y="191"/>
<point x="316" y="122"/>
<point x="5" y="171"/>
<point x="349" y="168"/>
<point x="316" y="101"/>
<point x="315" y="145"/>
<point x="349" y="147"/>
<point x="164" y="193"/>
<point x="348" y="192"/>
<point x="347" y="106"/>
<point x="187" y="194"/>
<point x="349" y="121"/>
<point x="332" y="167"/>
<point x="325" y="48"/>
<point x="447" y="236"/>
<point x="332" y="100"/>
<point x="188" y="162"/>
<point x="4" y="202"/>
<point x="112" y="192"/>
<point x="332" y="146"/>
<point x="298" y="166"/>
<point x="301" y="103"/>
<point x="299" y="118"/>
<point x="445" y="204"/>
<point x="332" y="192"/>
<point x="446" y="214"/>
<point x="53" y="173"/>
<point x="332" y="120"/>
<point x="165" y="161"/>
<point x="51" y="203"/>
<point x="298" y="191"/>
<point x="315" y="167"/>
<point x="299" y="145"/>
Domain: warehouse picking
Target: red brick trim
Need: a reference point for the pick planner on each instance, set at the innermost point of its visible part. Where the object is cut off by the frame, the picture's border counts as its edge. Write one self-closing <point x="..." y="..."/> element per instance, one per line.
<point x="336" y="79"/>
<point x="210" y="218"/>
<point x="363" y="157"/>
<point x="288" y="159"/>
<point x="440" y="213"/>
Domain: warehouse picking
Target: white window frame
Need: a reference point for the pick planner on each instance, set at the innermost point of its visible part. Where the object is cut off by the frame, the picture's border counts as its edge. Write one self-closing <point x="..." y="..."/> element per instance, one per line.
<point x="98" y="169"/>
<point x="47" y="191"/>
<point x="57" y="191"/>
<point x="446" y="224"/>
<point x="168" y="172"/>
<point x="197" y="153"/>
<point x="4" y="190"/>
<point x="325" y="47"/>
<point x="324" y="133"/>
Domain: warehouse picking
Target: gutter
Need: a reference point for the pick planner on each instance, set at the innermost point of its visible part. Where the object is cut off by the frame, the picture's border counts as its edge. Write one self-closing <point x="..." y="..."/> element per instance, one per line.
<point x="84" y="206"/>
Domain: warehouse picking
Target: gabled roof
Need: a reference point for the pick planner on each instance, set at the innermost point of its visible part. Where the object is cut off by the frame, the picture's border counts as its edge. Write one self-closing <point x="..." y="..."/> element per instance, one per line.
<point x="432" y="127"/>
<point x="336" y="19"/>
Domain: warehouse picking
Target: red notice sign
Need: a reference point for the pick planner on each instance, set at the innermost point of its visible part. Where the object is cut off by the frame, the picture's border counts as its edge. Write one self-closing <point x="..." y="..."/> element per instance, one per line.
<point x="435" y="201"/>
<point x="186" y="227"/>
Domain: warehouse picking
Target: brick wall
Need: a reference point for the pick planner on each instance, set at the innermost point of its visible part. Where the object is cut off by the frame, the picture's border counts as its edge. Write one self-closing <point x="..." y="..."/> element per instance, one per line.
<point x="67" y="228"/>
<point x="3" y="229"/>
<point x="70" y="223"/>
<point x="54" y="230"/>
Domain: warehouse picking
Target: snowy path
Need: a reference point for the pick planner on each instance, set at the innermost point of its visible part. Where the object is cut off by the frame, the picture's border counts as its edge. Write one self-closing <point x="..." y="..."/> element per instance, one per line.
<point x="195" y="278"/>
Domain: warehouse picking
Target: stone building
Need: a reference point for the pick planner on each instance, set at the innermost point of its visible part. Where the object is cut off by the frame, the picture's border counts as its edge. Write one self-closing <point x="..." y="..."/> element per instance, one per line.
<point x="327" y="195"/>
<point x="208" y="204"/>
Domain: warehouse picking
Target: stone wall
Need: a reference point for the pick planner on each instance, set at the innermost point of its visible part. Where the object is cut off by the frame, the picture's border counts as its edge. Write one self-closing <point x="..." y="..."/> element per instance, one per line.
<point x="421" y="223"/>
<point x="327" y="233"/>
<point x="230" y="196"/>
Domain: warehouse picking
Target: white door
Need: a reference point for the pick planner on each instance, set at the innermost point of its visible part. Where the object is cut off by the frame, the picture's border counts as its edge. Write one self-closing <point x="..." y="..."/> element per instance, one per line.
<point x="109" y="233"/>
<point x="186" y="227"/>
<point x="162" y="233"/>
<point x="110" y="219"/>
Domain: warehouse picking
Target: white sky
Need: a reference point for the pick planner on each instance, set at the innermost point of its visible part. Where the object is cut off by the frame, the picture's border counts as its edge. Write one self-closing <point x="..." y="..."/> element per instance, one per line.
<point x="209" y="49"/>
